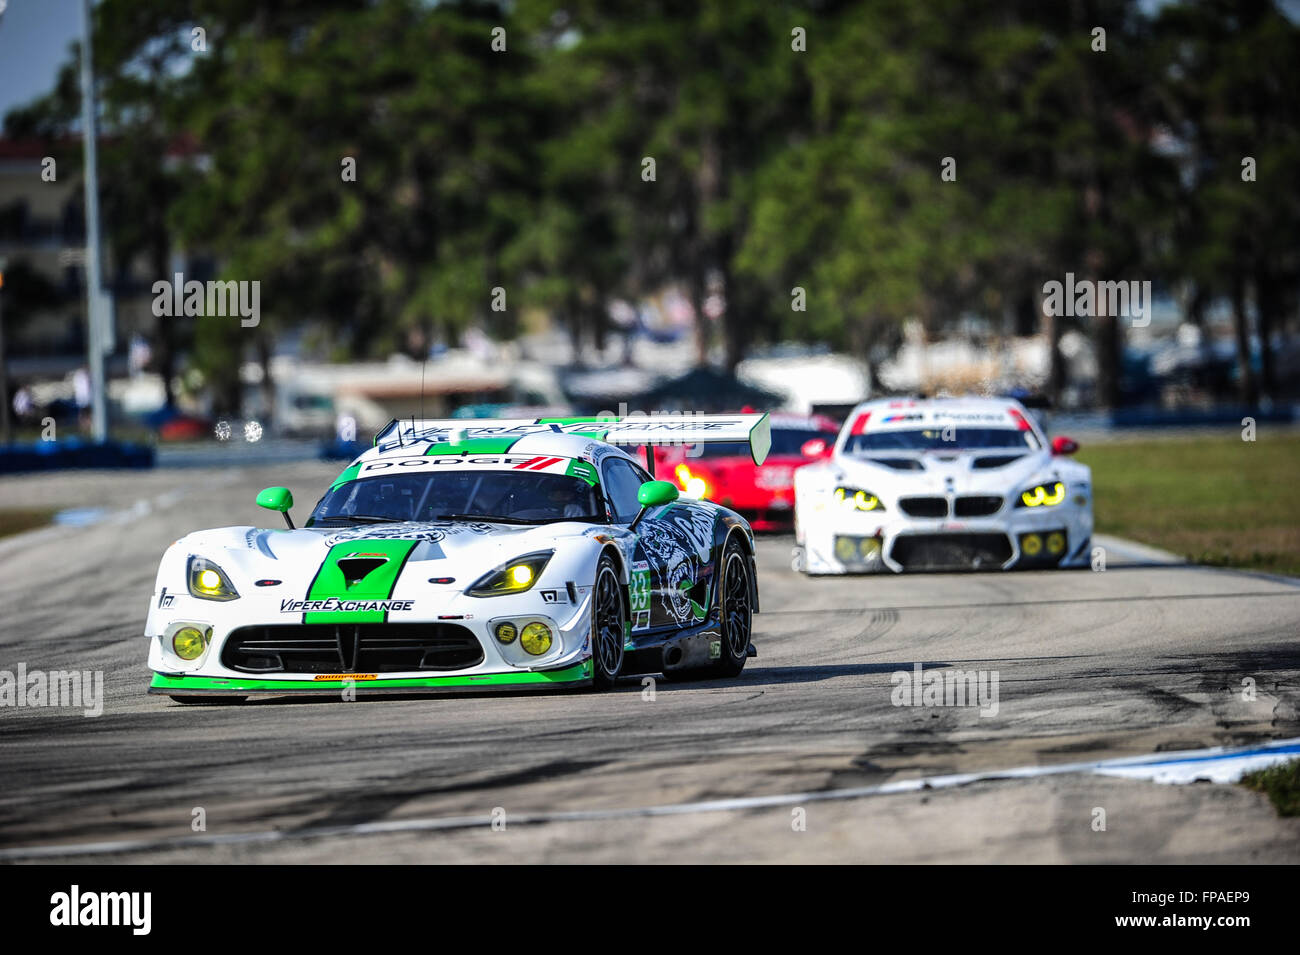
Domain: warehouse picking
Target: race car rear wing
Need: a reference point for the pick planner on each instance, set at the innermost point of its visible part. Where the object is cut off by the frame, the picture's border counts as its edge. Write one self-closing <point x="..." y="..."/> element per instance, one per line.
<point x="630" y="431"/>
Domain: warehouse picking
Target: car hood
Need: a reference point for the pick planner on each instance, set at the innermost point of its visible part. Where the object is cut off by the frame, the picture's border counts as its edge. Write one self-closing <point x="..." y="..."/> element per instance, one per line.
<point x="460" y="550"/>
<point x="963" y="471"/>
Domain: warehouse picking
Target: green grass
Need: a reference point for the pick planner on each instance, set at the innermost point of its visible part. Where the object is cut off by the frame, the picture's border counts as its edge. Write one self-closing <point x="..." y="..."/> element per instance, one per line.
<point x="1280" y="783"/>
<point x="17" y="520"/>
<point x="1214" y="500"/>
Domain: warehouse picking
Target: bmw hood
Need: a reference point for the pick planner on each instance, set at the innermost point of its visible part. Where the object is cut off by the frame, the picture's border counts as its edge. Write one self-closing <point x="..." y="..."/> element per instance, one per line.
<point x="982" y="471"/>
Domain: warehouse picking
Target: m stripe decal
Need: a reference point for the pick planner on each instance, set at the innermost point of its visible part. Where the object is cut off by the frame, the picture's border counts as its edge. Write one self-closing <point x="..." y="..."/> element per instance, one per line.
<point x="536" y="464"/>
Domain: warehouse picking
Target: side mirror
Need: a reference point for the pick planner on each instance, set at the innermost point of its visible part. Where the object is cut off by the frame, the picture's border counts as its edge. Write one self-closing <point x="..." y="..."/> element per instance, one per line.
<point x="1063" y="445"/>
<point x="653" y="494"/>
<point x="814" y="448"/>
<point x="277" y="499"/>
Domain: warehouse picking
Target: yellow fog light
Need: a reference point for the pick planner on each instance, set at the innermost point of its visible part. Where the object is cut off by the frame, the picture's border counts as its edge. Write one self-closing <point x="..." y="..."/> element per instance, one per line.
<point x="506" y="632"/>
<point x="844" y="548"/>
<point x="1055" y="542"/>
<point x="1031" y="544"/>
<point x="521" y="574"/>
<point x="188" y="643"/>
<point x="869" y="547"/>
<point x="536" y="639"/>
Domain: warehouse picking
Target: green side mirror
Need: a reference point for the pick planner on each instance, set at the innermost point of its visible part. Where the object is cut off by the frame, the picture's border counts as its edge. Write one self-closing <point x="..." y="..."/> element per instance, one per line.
<point x="277" y="499"/>
<point x="655" y="493"/>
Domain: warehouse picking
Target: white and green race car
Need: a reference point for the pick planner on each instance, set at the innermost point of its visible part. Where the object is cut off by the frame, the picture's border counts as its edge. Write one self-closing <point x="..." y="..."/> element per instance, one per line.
<point x="470" y="555"/>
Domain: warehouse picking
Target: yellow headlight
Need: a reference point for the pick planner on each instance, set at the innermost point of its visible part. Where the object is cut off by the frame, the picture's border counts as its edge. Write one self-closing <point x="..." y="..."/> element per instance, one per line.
<point x="536" y="639"/>
<point x="521" y="574"/>
<point x="1044" y="495"/>
<point x="188" y="643"/>
<point x="858" y="500"/>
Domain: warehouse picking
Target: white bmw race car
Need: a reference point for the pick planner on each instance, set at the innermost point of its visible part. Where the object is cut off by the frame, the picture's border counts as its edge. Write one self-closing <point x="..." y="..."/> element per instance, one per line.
<point x="942" y="484"/>
<point x="468" y="555"/>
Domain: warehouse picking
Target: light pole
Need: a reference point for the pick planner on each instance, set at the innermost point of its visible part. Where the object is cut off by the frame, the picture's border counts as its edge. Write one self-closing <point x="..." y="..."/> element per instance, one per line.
<point x="96" y="344"/>
<point x="6" y="433"/>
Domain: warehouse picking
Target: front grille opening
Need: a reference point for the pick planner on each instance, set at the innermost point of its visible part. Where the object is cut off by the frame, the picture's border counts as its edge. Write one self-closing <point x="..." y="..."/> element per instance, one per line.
<point x="351" y="648"/>
<point x="977" y="506"/>
<point x="951" y="551"/>
<point x="899" y="464"/>
<point x="924" y="506"/>
<point x="995" y="461"/>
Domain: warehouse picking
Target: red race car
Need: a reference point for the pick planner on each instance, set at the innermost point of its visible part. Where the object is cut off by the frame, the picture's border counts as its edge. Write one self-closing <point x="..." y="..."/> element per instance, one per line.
<point x="727" y="475"/>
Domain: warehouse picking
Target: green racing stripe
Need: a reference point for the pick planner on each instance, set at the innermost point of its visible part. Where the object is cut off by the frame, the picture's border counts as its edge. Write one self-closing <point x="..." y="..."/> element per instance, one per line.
<point x="472" y="446"/>
<point x="347" y="475"/>
<point x="331" y="580"/>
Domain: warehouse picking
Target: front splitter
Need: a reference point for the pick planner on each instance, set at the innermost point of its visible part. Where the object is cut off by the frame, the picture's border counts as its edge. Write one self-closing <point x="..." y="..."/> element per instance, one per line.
<point x="169" y="685"/>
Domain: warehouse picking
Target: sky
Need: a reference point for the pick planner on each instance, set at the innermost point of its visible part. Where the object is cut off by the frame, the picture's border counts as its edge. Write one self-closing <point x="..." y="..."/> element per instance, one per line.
<point x="34" y="38"/>
<point x="35" y="34"/>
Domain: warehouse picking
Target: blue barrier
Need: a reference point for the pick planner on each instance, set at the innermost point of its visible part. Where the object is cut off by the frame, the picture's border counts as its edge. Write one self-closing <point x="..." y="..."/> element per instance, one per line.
<point x="339" y="450"/>
<point x="56" y="455"/>
<point x="1198" y="418"/>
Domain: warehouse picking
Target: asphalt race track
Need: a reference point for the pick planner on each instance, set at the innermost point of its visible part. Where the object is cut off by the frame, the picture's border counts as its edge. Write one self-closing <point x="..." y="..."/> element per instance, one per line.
<point x="1137" y="659"/>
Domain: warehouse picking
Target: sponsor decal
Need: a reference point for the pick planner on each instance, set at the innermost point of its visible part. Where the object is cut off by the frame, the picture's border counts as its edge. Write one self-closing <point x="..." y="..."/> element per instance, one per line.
<point x="639" y="590"/>
<point x="410" y="530"/>
<point x="335" y="605"/>
<point x="438" y="462"/>
<point x="540" y="463"/>
<point x="165" y="600"/>
<point x="774" y="478"/>
<point x="968" y="416"/>
<point x="553" y="596"/>
<point x="679" y="541"/>
<point x="346" y="676"/>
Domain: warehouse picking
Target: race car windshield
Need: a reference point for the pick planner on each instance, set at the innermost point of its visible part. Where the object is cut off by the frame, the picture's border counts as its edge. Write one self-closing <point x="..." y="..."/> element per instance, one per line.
<point x="940" y="439"/>
<point x="460" y="495"/>
<point x="786" y="442"/>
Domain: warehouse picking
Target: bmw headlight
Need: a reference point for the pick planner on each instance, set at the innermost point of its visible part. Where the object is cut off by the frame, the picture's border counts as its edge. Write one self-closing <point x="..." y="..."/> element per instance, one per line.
<point x="512" y="578"/>
<point x="1042" y="495"/>
<point x="858" y="499"/>
<point x="209" y="581"/>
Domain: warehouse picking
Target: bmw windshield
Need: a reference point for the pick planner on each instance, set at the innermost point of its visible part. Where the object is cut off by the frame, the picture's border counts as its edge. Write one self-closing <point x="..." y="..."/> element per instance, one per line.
<point x="472" y="495"/>
<point x="942" y="439"/>
<point x="786" y="442"/>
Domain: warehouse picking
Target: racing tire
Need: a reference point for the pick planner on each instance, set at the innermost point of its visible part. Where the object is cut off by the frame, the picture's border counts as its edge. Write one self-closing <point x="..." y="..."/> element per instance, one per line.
<point x="608" y="613"/>
<point x="209" y="700"/>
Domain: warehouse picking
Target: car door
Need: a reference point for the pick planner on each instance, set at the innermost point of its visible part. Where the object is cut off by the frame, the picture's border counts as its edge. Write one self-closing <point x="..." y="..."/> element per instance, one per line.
<point x="672" y="569"/>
